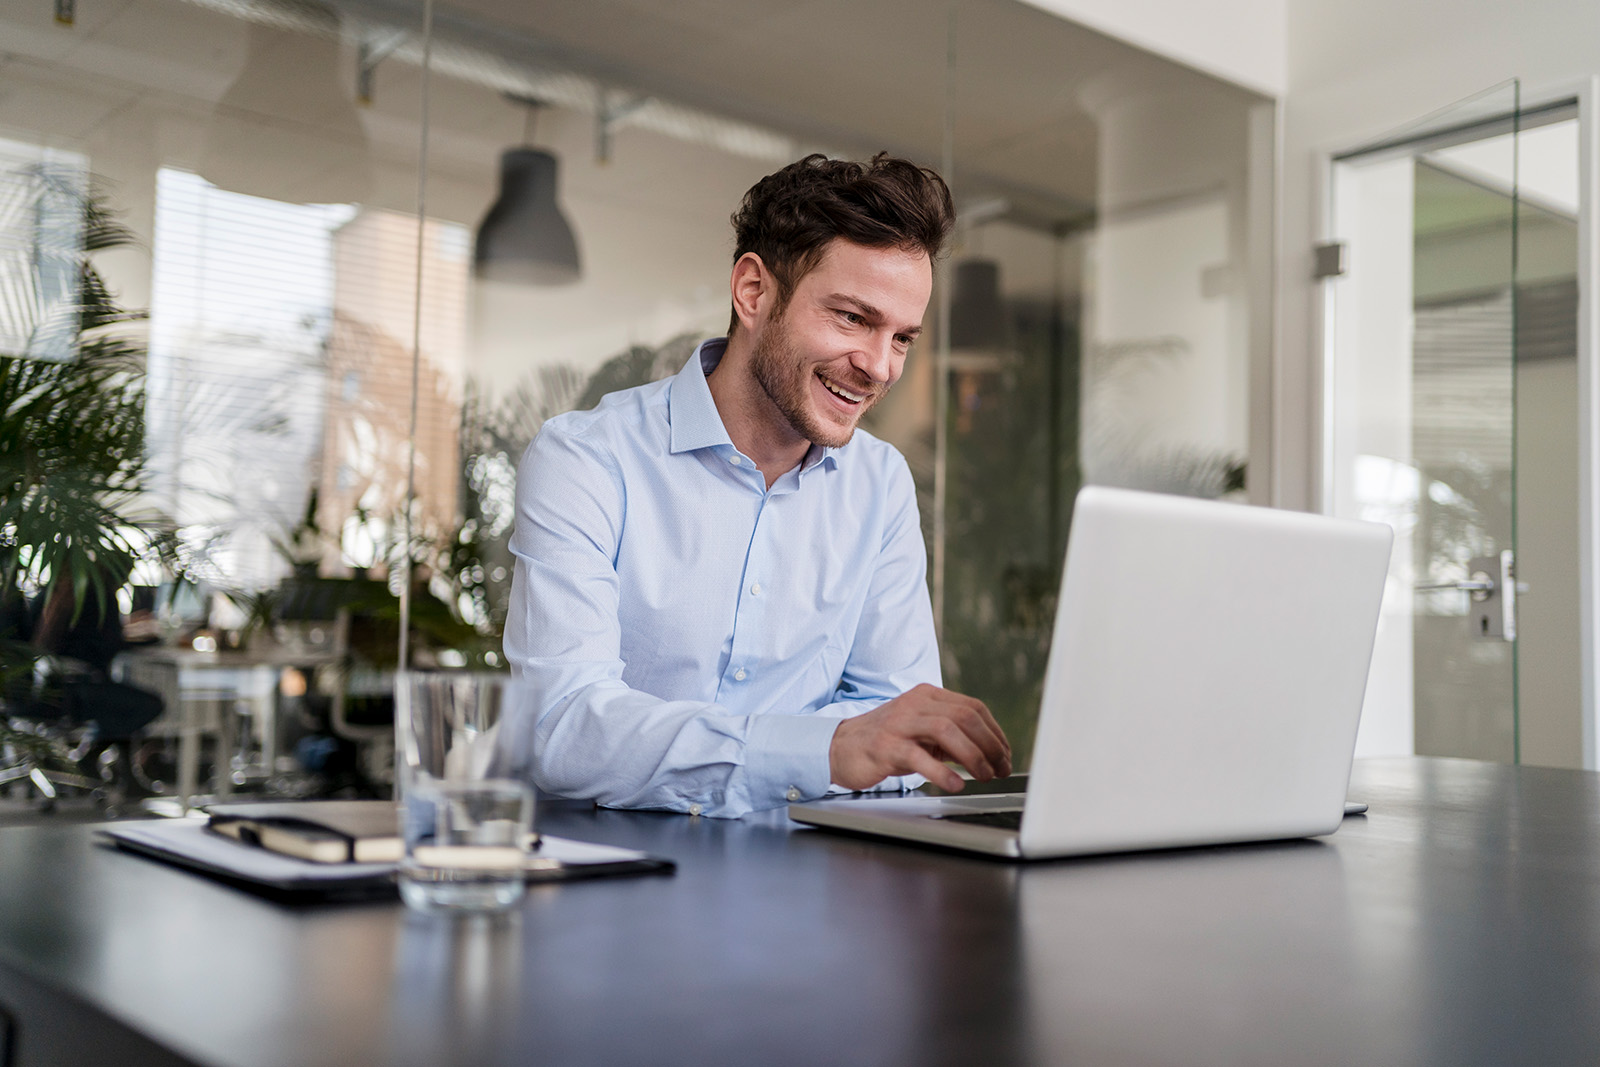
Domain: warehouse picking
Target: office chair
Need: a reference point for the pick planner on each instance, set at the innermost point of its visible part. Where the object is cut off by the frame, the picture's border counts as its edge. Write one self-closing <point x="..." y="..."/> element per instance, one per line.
<point x="64" y="709"/>
<point x="37" y="753"/>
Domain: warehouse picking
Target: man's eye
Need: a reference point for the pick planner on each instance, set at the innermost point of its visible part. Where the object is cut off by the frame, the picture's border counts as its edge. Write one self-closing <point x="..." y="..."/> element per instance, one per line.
<point x="903" y="340"/>
<point x="852" y="318"/>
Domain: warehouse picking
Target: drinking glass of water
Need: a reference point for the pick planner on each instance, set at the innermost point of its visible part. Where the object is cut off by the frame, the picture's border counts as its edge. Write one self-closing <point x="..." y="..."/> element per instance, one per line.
<point x="467" y="831"/>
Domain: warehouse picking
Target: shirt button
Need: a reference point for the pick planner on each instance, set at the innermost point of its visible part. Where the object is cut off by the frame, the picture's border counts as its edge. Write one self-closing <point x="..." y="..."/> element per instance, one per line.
<point x="738" y="675"/>
<point x="793" y="794"/>
<point x="695" y="809"/>
<point x="737" y="460"/>
<point x="755" y="590"/>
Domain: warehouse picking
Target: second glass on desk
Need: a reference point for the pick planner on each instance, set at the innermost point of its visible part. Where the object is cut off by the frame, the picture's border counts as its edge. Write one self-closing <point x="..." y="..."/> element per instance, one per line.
<point x="467" y="833"/>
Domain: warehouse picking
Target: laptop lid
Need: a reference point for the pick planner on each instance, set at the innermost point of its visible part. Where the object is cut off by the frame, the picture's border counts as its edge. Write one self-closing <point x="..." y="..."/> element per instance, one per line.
<point x="1206" y="674"/>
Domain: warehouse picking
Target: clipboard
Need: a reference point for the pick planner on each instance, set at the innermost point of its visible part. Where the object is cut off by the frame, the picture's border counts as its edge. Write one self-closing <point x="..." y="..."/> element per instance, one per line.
<point x="190" y="844"/>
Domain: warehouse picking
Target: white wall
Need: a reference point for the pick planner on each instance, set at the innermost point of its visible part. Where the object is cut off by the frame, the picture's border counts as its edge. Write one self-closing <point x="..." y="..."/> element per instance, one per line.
<point x="1242" y="41"/>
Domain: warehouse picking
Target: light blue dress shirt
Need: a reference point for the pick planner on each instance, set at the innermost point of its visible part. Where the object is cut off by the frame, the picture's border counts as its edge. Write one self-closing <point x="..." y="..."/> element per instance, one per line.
<point x="692" y="638"/>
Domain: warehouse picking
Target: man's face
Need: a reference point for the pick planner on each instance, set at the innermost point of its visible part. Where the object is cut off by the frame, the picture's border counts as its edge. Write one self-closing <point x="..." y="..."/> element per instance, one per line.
<point x="841" y="342"/>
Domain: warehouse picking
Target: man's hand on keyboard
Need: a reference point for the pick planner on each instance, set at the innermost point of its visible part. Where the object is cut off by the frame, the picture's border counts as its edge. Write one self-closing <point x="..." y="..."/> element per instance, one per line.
<point x="914" y="734"/>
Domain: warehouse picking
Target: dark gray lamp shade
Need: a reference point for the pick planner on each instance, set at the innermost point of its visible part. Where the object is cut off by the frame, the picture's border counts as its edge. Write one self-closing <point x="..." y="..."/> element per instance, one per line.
<point x="525" y="237"/>
<point x="977" y="315"/>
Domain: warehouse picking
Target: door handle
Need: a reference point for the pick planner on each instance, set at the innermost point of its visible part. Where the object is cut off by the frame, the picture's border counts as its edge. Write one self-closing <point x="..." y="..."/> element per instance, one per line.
<point x="1492" y="584"/>
<point x="1480" y="585"/>
<point x="1470" y="585"/>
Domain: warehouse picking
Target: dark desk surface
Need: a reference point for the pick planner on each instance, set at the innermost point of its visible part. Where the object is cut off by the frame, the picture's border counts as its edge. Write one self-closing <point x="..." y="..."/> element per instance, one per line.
<point x="1458" y="923"/>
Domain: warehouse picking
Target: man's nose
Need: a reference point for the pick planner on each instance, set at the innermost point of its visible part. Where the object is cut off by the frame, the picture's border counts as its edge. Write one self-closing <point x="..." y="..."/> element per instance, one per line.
<point x="875" y="359"/>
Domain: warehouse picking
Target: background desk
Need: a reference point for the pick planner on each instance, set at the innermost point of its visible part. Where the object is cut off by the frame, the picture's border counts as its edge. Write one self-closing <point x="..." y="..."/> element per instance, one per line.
<point x="1458" y="923"/>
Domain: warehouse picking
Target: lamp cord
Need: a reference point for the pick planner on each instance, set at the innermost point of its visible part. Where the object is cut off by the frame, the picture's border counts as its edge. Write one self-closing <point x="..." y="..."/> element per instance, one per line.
<point x="530" y="122"/>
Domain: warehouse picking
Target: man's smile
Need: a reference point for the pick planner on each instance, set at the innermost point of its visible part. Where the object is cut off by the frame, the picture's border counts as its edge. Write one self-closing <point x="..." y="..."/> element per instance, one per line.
<point x="840" y="391"/>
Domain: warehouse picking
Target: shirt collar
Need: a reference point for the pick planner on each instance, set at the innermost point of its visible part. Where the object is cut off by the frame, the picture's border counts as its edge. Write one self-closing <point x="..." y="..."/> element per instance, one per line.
<point x="692" y="411"/>
<point x="696" y="423"/>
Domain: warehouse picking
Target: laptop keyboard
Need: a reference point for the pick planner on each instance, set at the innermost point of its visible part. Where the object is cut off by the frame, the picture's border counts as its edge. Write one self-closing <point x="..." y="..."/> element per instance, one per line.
<point x="1003" y="820"/>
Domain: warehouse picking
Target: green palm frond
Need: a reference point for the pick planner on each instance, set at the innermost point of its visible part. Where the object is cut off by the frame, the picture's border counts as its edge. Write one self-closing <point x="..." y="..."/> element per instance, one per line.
<point x="72" y="442"/>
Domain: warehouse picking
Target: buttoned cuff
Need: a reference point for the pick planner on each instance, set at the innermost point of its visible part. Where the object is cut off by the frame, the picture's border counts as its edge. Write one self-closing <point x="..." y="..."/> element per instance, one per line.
<point x="786" y="758"/>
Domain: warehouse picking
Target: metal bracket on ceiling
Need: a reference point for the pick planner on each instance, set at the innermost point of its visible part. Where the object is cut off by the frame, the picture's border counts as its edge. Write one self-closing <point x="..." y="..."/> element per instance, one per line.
<point x="373" y="50"/>
<point x="66" y="11"/>
<point x="612" y="110"/>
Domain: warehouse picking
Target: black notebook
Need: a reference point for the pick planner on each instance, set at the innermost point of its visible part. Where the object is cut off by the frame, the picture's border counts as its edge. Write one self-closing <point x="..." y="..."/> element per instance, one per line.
<point x="322" y="831"/>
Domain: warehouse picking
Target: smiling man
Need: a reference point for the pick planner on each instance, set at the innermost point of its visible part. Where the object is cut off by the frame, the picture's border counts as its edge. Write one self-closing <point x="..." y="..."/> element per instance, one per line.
<point x="720" y="597"/>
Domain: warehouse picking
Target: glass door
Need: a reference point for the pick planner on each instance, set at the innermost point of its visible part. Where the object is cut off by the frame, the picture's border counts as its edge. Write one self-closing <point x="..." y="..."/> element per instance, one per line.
<point x="1420" y="417"/>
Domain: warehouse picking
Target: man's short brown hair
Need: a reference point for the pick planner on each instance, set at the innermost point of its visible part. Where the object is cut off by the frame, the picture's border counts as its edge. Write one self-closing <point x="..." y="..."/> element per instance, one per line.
<point x="789" y="217"/>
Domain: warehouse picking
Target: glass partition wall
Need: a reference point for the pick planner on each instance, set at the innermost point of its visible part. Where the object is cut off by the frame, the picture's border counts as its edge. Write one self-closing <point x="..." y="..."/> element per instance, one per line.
<point x="1451" y="380"/>
<point x="332" y="399"/>
<point x="1094" y="321"/>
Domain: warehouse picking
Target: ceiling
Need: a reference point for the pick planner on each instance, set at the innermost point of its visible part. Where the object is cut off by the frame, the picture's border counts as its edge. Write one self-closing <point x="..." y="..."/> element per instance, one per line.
<point x="843" y="76"/>
<point x="848" y="76"/>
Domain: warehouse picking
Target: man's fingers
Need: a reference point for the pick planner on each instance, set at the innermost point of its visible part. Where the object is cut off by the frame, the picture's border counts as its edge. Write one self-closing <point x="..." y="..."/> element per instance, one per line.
<point x="955" y="744"/>
<point x="982" y="728"/>
<point x="999" y="747"/>
<point x="972" y="722"/>
<point x="920" y="761"/>
<point x="975" y="706"/>
<point x="988" y="720"/>
<point x="915" y="733"/>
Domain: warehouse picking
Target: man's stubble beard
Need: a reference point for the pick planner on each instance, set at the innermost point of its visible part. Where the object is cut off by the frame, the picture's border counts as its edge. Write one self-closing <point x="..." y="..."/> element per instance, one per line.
<point x="785" y="376"/>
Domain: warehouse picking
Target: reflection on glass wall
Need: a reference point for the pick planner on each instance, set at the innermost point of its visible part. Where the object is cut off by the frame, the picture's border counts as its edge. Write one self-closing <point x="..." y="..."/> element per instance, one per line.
<point x="261" y="159"/>
<point x="243" y="279"/>
<point x="592" y="273"/>
<point x="1108" y="224"/>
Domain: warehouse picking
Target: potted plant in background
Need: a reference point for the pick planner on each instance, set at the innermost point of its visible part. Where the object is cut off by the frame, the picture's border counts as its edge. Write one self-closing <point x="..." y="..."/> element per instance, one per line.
<point x="71" y="460"/>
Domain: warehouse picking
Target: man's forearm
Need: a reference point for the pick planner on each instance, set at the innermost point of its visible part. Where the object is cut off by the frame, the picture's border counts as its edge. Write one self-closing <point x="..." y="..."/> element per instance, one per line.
<point x="623" y="748"/>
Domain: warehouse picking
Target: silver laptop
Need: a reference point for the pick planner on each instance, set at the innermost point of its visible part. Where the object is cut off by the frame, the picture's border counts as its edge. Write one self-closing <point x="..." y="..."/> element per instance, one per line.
<point x="1204" y="687"/>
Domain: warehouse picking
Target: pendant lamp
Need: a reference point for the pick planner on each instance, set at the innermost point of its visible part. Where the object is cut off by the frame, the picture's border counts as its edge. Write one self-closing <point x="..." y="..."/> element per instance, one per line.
<point x="525" y="237"/>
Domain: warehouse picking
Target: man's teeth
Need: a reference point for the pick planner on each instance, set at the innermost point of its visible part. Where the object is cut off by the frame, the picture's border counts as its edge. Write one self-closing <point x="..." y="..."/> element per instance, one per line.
<point x="832" y="388"/>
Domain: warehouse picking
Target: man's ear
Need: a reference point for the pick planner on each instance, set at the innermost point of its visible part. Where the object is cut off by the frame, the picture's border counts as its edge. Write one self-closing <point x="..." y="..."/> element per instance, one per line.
<point x="753" y="288"/>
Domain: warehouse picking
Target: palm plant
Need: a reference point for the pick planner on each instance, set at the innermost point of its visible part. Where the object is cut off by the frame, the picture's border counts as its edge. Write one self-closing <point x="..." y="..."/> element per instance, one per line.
<point x="71" y="446"/>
